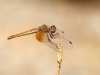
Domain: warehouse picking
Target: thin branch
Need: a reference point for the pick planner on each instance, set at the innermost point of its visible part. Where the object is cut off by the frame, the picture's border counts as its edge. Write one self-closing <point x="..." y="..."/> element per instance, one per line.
<point x="59" y="56"/>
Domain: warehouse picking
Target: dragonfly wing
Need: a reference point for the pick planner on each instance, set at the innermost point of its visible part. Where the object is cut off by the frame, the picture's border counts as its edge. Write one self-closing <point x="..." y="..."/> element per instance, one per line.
<point x="53" y="42"/>
<point x="61" y="33"/>
<point x="65" y="42"/>
<point x="48" y="41"/>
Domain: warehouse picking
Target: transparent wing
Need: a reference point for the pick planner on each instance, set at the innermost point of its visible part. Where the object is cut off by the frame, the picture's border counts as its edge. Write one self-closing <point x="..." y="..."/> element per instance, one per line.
<point x="63" y="41"/>
<point x="52" y="43"/>
<point x="48" y="41"/>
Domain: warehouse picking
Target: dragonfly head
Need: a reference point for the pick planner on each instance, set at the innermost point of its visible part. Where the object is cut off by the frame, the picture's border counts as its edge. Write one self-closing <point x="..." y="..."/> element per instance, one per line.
<point x="53" y="29"/>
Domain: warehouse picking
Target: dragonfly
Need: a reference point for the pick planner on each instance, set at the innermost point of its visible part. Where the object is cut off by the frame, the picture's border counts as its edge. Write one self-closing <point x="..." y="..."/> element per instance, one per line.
<point x="48" y="35"/>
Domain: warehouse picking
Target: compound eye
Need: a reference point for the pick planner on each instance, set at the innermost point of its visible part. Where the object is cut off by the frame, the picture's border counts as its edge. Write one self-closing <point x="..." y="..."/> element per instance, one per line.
<point x="53" y="26"/>
<point x="53" y="29"/>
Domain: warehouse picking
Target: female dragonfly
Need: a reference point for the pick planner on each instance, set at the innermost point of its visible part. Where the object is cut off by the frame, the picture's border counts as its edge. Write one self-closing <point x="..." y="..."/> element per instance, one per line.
<point x="47" y="35"/>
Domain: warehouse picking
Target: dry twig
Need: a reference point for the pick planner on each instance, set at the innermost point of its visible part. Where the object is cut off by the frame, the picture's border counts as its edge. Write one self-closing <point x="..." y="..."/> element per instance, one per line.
<point x="59" y="56"/>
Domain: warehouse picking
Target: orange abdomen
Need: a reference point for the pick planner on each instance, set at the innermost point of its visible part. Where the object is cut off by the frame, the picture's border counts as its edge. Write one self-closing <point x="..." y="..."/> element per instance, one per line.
<point x="40" y="36"/>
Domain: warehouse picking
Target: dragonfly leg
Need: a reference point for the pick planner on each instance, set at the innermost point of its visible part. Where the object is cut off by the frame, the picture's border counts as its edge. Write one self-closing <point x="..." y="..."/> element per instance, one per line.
<point x="49" y="39"/>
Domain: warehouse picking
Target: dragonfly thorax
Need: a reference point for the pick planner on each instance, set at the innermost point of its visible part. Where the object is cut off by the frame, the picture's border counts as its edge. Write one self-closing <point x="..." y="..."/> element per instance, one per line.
<point x="43" y="28"/>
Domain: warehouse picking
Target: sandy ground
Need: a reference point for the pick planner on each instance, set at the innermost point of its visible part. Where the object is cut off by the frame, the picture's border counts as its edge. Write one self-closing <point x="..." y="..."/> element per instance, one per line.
<point x="26" y="56"/>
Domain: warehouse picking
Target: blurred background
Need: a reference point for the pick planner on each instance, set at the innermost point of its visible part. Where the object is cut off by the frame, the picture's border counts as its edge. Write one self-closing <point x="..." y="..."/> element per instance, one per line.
<point x="80" y="20"/>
